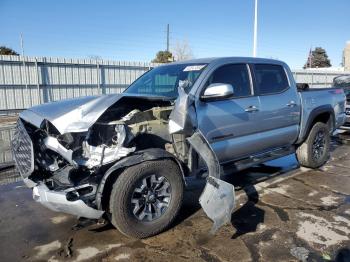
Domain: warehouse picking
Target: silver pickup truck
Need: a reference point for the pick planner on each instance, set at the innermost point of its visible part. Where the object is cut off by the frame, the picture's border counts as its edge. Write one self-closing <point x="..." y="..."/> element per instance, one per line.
<point x="126" y="157"/>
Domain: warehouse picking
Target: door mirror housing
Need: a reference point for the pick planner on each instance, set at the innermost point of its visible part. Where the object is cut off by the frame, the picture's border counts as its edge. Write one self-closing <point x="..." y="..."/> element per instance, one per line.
<point x="217" y="91"/>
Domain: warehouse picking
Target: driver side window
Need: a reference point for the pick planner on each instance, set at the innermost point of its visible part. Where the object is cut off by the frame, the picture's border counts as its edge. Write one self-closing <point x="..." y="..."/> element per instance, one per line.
<point x="236" y="75"/>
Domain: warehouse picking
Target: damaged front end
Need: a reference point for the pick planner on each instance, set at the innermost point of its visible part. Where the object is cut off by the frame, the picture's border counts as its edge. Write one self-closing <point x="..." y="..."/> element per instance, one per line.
<point x="66" y="157"/>
<point x="65" y="169"/>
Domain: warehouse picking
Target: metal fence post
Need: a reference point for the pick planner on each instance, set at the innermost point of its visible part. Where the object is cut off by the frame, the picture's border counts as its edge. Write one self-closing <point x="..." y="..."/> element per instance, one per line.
<point x="27" y="79"/>
<point x="5" y="86"/>
<point x="98" y="77"/>
<point x="38" y="79"/>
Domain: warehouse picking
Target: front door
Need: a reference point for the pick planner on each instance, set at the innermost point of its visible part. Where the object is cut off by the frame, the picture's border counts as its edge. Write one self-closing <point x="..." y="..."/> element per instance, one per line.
<point x="229" y="125"/>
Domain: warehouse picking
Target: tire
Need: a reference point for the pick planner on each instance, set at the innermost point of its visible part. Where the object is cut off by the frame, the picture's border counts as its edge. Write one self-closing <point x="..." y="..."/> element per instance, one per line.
<point x="130" y="187"/>
<point x="307" y="152"/>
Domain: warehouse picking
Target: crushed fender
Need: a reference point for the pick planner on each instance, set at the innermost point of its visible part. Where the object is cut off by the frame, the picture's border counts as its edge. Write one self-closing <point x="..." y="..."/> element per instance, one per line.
<point x="218" y="196"/>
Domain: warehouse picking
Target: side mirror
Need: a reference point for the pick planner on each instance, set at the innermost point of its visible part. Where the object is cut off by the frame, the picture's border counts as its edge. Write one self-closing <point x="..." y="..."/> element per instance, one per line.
<point x="217" y="91"/>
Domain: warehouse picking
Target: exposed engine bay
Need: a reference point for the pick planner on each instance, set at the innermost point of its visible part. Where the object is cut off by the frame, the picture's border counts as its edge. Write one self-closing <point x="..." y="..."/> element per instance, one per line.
<point x="68" y="158"/>
<point x="121" y="130"/>
<point x="79" y="159"/>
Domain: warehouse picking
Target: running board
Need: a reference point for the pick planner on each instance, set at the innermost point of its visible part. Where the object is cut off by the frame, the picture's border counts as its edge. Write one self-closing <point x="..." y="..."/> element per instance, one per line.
<point x="258" y="159"/>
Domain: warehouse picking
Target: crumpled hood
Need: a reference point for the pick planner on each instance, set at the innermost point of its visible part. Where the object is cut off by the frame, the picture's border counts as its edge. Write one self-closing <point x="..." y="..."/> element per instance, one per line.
<point x="71" y="115"/>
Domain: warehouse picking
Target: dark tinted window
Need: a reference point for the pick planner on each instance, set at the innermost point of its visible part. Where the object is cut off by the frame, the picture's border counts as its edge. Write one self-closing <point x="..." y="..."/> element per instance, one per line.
<point x="270" y="79"/>
<point x="236" y="74"/>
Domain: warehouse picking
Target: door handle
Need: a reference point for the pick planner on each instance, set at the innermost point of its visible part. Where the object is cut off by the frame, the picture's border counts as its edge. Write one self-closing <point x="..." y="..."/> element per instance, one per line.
<point x="251" y="109"/>
<point x="291" y="104"/>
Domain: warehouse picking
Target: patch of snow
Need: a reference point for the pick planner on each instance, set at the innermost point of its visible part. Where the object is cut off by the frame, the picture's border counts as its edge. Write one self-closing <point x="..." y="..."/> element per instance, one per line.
<point x="342" y="219"/>
<point x="53" y="259"/>
<point x="329" y="200"/>
<point x="300" y="253"/>
<point x="261" y="227"/>
<point x="319" y="230"/>
<point x="122" y="256"/>
<point x="43" y="250"/>
<point x="87" y="253"/>
<point x="90" y="252"/>
<point x="312" y="193"/>
<point x="113" y="246"/>
<point x="281" y="189"/>
<point x="58" y="219"/>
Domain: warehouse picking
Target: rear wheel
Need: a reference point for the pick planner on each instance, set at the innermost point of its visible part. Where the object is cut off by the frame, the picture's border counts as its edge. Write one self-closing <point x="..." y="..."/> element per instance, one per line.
<point x="146" y="198"/>
<point x="314" y="152"/>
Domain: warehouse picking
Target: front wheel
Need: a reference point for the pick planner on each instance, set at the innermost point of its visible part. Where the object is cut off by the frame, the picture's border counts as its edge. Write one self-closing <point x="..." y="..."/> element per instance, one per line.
<point x="314" y="152"/>
<point x="146" y="198"/>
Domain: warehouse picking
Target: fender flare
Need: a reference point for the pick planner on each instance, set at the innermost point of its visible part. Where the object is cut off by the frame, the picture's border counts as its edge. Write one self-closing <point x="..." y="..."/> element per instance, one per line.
<point x="313" y="115"/>
<point x="131" y="160"/>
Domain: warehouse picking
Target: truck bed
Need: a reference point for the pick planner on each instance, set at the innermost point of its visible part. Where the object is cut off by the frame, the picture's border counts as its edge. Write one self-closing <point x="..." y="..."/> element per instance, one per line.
<point x="323" y="98"/>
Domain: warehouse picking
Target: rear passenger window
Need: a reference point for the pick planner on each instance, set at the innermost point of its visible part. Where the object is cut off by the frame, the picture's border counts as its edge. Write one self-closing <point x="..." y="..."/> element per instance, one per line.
<point x="236" y="75"/>
<point x="270" y="79"/>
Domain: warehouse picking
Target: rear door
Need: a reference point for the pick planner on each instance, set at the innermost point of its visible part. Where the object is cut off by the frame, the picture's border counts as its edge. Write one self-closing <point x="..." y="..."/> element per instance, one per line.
<point x="279" y="115"/>
<point x="229" y="125"/>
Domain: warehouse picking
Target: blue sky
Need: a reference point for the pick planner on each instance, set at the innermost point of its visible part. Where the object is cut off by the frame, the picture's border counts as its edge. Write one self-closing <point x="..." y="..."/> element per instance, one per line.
<point x="135" y="30"/>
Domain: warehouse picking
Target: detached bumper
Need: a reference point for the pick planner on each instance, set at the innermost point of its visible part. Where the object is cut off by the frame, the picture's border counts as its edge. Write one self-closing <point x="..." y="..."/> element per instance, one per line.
<point x="57" y="201"/>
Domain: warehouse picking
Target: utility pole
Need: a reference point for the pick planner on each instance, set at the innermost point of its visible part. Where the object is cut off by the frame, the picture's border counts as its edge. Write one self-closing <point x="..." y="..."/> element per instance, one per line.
<point x="255" y="28"/>
<point x="167" y="38"/>
<point x="22" y="48"/>
<point x="24" y="64"/>
<point x="310" y="55"/>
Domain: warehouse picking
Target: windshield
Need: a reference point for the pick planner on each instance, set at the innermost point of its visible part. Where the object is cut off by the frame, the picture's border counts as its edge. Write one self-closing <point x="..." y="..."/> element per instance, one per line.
<point x="164" y="80"/>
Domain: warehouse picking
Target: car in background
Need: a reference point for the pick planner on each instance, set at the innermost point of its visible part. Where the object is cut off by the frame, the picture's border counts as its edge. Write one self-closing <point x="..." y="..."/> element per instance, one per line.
<point x="343" y="82"/>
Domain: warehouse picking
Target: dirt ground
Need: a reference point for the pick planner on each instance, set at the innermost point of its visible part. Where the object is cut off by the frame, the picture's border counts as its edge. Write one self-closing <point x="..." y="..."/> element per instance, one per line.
<point x="283" y="213"/>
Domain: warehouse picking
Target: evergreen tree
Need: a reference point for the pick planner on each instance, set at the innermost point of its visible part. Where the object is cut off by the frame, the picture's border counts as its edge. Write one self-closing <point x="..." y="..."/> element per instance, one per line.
<point x="7" y="51"/>
<point x="318" y="58"/>
<point x="163" y="57"/>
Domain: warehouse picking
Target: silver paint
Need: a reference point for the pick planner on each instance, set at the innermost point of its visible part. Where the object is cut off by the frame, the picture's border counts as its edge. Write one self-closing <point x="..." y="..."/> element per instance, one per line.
<point x="57" y="201"/>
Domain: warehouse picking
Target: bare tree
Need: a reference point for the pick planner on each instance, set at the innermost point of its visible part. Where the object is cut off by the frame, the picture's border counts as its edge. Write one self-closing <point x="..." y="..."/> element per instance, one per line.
<point x="182" y="51"/>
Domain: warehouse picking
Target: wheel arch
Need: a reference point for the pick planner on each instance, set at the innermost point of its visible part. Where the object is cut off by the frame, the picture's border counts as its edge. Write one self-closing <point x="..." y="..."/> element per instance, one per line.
<point x="324" y="114"/>
<point x="105" y="186"/>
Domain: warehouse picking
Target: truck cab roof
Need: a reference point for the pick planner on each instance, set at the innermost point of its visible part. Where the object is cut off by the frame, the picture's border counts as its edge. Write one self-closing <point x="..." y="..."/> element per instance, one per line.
<point x="233" y="59"/>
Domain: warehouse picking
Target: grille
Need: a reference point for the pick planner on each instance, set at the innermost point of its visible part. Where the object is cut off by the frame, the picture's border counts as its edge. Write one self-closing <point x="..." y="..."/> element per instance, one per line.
<point x="22" y="150"/>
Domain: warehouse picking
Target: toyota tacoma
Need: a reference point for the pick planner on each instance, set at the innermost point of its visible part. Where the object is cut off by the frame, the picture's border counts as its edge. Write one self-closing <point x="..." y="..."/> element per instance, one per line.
<point x="127" y="157"/>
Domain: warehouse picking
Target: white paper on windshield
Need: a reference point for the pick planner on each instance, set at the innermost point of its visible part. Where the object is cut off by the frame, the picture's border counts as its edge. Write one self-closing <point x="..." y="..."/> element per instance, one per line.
<point x="193" y="68"/>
